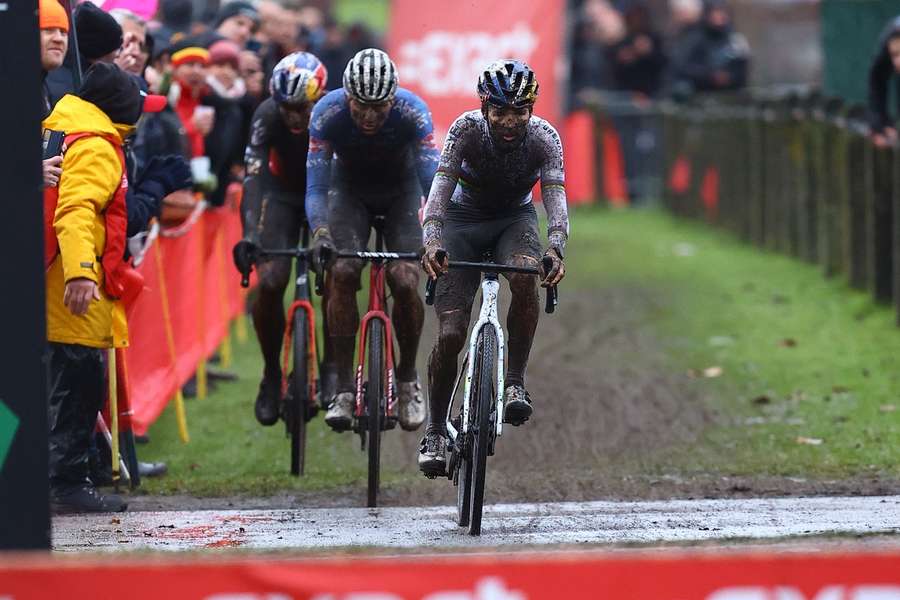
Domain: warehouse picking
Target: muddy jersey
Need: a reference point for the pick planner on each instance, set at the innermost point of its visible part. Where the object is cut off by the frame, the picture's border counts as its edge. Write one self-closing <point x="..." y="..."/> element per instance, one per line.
<point x="274" y="155"/>
<point x="402" y="148"/>
<point x="474" y="174"/>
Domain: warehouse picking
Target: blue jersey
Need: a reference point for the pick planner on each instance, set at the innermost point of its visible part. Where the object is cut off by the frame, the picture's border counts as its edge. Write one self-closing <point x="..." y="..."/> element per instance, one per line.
<point x="403" y="146"/>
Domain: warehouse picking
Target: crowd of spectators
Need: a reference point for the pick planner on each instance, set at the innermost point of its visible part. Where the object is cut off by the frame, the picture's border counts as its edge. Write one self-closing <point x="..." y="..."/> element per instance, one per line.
<point x="618" y="49"/>
<point x="161" y="104"/>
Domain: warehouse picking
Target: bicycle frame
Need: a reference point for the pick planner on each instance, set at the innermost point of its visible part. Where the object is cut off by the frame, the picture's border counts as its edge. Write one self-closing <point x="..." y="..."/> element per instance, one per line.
<point x="377" y="310"/>
<point x="302" y="301"/>
<point x="490" y="290"/>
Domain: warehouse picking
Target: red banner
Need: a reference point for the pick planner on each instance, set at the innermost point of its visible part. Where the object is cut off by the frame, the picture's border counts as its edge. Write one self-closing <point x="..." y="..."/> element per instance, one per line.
<point x="441" y="47"/>
<point x="578" y="576"/>
<point x="192" y="294"/>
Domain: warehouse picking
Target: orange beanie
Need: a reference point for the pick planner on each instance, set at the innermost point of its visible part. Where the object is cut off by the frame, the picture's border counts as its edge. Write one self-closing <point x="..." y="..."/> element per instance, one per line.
<point x="53" y="15"/>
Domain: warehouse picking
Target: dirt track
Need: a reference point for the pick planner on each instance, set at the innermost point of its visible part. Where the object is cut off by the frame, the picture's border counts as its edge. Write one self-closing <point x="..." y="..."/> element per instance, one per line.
<point x="606" y="405"/>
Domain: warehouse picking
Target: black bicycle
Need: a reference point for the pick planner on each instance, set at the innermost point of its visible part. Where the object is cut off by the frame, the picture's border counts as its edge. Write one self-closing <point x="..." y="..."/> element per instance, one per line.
<point x="300" y="355"/>
<point x="474" y="430"/>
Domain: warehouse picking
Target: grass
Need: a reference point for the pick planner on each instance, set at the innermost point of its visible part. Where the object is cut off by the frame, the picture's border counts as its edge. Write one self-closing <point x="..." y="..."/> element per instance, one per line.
<point x="801" y="357"/>
<point x="810" y="383"/>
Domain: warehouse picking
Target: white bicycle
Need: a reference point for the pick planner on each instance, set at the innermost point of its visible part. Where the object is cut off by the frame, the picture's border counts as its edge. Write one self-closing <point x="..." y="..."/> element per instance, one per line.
<point x="474" y="430"/>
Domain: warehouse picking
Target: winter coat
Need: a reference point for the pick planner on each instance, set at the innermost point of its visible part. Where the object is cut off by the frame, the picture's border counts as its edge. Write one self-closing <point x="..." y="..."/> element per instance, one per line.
<point x="91" y="174"/>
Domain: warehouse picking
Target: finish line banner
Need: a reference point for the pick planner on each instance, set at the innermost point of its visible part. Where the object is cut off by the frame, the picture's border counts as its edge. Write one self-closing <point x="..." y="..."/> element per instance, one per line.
<point x="440" y="48"/>
<point x="582" y="576"/>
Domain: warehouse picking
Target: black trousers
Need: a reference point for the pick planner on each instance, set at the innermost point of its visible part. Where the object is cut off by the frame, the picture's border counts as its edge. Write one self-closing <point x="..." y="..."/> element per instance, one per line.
<point x="76" y="384"/>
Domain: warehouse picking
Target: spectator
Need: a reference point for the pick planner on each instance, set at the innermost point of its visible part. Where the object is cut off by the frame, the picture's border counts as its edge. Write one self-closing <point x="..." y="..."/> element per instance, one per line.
<point x="54" y="25"/>
<point x="99" y="40"/>
<point x="134" y="54"/>
<point x="638" y="60"/>
<point x="714" y="57"/>
<point x="599" y="27"/>
<point x="83" y="315"/>
<point x="223" y="77"/>
<point x="175" y="17"/>
<point x="189" y="67"/>
<point x="885" y="65"/>
<point x="237" y="21"/>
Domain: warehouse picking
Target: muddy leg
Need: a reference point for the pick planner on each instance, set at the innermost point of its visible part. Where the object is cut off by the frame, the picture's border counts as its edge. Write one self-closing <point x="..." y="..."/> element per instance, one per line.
<point x="407" y="316"/>
<point x="442" y="362"/>
<point x="268" y="312"/>
<point x="343" y="319"/>
<point x="521" y="321"/>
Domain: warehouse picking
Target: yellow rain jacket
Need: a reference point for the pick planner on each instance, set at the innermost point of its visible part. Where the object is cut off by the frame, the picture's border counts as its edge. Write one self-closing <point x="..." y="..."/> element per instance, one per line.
<point x="91" y="174"/>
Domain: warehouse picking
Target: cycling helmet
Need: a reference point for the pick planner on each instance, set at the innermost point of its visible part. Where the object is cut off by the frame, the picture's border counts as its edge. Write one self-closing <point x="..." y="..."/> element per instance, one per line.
<point x="508" y="82"/>
<point x="371" y="76"/>
<point x="298" y="78"/>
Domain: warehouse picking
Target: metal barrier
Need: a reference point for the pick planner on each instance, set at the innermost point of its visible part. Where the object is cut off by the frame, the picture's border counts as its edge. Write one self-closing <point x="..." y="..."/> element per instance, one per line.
<point x="795" y="174"/>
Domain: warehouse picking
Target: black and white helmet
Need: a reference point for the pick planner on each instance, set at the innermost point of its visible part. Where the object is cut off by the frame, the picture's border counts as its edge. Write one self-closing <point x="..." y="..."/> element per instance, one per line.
<point x="371" y="76"/>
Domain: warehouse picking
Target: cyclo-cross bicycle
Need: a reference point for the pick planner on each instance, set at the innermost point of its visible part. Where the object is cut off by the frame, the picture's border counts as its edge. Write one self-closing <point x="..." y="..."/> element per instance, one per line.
<point x="376" y="395"/>
<point x="474" y="430"/>
<point x="298" y="380"/>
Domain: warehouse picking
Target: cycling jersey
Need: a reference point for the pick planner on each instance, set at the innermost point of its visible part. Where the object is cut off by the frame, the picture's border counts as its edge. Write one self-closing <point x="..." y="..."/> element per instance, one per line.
<point x="274" y="153"/>
<point x="404" y="144"/>
<point x="473" y="174"/>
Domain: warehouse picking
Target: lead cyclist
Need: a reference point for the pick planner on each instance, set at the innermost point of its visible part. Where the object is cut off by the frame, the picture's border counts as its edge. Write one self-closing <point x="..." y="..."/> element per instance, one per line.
<point x="481" y="201"/>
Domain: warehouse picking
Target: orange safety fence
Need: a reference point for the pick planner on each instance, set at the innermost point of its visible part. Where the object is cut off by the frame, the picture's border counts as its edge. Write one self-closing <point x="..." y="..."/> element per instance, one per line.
<point x="192" y="294"/>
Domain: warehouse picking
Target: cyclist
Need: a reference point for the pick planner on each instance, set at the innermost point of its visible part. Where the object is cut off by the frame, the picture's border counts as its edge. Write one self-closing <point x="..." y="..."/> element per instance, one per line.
<point x="481" y="202"/>
<point x="273" y="209"/>
<point x="380" y="136"/>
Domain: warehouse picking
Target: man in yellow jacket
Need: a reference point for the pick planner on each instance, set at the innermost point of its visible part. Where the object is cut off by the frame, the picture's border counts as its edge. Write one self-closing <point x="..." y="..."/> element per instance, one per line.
<point x="83" y="319"/>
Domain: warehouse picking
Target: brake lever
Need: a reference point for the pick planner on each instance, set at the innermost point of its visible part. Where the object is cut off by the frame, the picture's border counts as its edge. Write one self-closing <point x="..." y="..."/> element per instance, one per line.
<point x="552" y="291"/>
<point x="431" y="284"/>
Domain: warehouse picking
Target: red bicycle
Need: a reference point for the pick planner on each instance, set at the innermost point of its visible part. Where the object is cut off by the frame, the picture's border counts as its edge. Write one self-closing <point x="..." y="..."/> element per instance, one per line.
<point x="376" y="396"/>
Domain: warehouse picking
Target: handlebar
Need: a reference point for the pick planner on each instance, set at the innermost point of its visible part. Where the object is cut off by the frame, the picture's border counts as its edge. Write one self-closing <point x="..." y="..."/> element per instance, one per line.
<point x="246" y="254"/>
<point x="488" y="267"/>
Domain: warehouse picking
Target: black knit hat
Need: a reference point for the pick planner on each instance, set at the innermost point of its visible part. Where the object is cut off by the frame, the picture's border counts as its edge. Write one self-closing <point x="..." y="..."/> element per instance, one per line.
<point x="98" y="33"/>
<point x="113" y="91"/>
<point x="235" y="9"/>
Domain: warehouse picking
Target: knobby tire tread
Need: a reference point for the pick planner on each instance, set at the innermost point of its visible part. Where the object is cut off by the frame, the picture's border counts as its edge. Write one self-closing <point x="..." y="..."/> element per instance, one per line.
<point x="374" y="401"/>
<point x="300" y="391"/>
<point x="481" y="436"/>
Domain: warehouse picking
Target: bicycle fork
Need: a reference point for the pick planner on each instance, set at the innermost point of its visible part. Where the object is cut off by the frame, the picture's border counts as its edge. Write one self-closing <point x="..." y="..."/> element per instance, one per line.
<point x="490" y="290"/>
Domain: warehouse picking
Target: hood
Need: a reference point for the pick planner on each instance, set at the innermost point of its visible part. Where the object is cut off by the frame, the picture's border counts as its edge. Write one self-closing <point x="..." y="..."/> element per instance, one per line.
<point x="74" y="115"/>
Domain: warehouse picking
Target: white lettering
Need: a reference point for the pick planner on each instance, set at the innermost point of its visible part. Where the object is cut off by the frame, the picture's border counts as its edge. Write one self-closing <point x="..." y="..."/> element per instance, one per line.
<point x="447" y="63"/>
<point x="249" y="596"/>
<point x="831" y="592"/>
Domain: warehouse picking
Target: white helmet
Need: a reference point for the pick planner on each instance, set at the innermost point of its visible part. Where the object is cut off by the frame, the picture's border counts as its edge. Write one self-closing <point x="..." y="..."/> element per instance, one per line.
<point x="371" y="76"/>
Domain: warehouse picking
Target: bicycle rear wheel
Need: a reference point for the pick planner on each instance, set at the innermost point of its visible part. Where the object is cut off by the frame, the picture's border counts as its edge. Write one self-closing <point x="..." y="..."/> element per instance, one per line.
<point x="298" y="398"/>
<point x="374" y="405"/>
<point x="483" y="420"/>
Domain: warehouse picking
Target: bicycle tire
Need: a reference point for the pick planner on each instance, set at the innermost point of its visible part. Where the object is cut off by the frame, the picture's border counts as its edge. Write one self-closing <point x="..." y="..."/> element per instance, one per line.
<point x="299" y="399"/>
<point x="463" y="475"/>
<point x="374" y="406"/>
<point x="483" y="421"/>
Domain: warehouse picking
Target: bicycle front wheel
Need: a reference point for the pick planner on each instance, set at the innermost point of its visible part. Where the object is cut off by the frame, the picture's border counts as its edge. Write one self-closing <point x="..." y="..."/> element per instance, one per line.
<point x="374" y="405"/>
<point x="298" y="408"/>
<point x="482" y="422"/>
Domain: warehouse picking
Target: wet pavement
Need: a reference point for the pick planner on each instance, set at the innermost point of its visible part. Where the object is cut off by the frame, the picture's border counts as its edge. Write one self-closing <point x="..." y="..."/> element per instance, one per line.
<point x="504" y="524"/>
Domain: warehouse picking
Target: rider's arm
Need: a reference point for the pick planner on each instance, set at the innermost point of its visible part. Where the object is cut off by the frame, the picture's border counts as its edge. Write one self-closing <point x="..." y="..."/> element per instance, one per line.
<point x="256" y="166"/>
<point x="427" y="154"/>
<point x="318" y="169"/>
<point x="553" y="190"/>
<point x="445" y="179"/>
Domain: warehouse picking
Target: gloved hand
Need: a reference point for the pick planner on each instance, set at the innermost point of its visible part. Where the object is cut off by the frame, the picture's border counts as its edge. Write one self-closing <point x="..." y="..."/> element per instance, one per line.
<point x="553" y="269"/>
<point x="244" y="255"/>
<point x="322" y="250"/>
<point x="435" y="259"/>
<point x="171" y="173"/>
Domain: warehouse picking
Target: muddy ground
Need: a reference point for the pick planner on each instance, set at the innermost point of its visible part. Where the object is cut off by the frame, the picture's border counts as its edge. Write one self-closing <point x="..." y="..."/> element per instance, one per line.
<point x="606" y="403"/>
